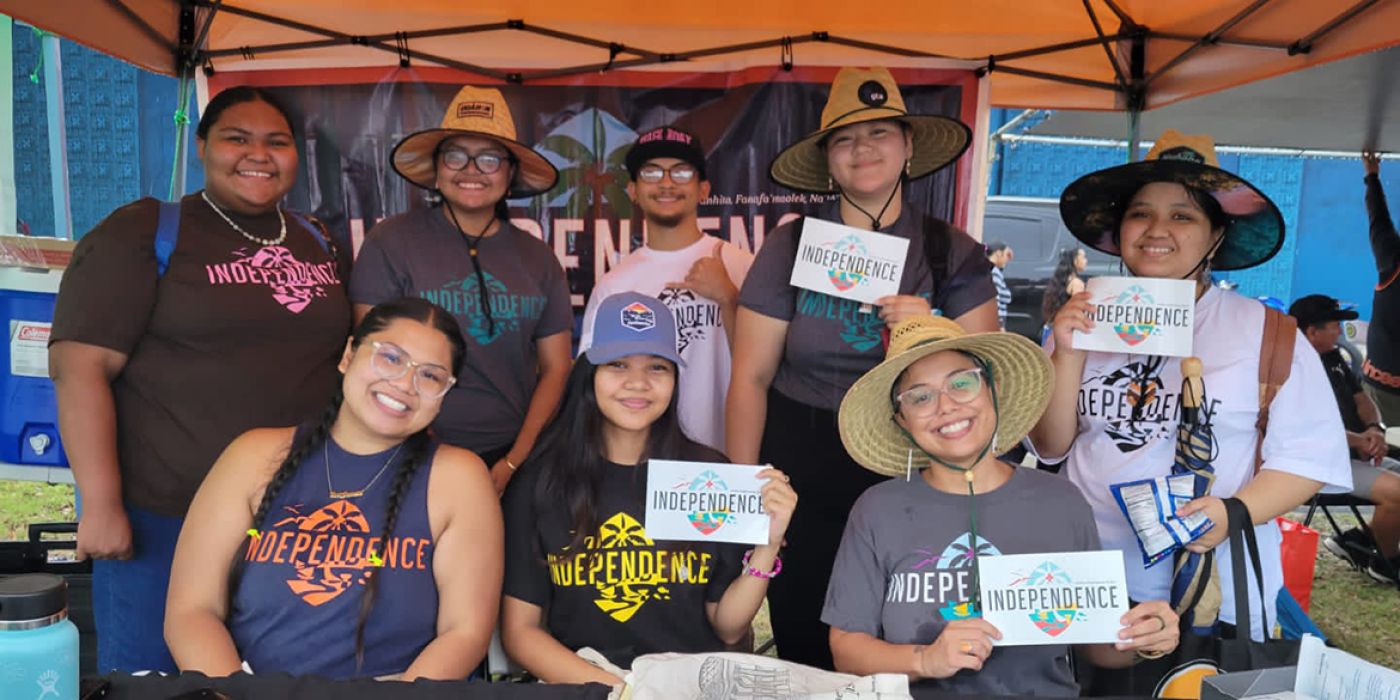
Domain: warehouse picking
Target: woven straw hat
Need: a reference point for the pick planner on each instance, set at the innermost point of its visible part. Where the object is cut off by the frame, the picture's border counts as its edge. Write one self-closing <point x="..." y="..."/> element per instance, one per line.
<point x="863" y="95"/>
<point x="1022" y="373"/>
<point x="474" y="112"/>
<point x="1092" y="206"/>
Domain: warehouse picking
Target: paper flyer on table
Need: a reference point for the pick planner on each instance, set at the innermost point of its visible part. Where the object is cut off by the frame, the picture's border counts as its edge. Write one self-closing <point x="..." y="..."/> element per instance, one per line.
<point x="848" y="262"/>
<point x="1332" y="674"/>
<point x="1054" y="598"/>
<point x="705" y="502"/>
<point x="1141" y="316"/>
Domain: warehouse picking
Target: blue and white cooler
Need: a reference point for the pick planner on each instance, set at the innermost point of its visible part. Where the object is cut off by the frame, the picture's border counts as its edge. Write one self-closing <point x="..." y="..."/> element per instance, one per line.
<point x="30" y="271"/>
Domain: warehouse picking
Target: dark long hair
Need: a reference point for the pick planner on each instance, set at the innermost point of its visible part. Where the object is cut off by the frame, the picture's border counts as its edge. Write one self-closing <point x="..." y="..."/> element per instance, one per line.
<point x="570" y="453"/>
<point x="415" y="448"/>
<point x="1057" y="289"/>
<point x="234" y="96"/>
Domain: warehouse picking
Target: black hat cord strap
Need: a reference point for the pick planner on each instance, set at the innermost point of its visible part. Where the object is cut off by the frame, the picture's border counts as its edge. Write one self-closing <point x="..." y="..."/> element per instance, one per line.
<point x="473" y="243"/>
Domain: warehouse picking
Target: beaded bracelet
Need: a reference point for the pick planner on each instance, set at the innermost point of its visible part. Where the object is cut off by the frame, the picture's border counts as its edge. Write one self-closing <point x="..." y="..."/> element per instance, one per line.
<point x="777" y="567"/>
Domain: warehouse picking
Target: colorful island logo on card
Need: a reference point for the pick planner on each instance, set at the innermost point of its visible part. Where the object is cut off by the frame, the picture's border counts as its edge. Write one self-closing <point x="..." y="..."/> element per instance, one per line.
<point x="845" y="280"/>
<point x="1134" y="333"/>
<point x="708" y="521"/>
<point x="1051" y="621"/>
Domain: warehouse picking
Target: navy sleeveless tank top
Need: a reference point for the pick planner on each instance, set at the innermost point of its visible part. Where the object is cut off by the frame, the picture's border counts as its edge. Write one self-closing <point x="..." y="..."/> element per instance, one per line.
<point x="298" y="599"/>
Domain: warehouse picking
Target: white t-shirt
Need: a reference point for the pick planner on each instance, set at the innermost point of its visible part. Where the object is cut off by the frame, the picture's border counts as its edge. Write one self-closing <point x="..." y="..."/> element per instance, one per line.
<point x="700" y="333"/>
<point x="1305" y="435"/>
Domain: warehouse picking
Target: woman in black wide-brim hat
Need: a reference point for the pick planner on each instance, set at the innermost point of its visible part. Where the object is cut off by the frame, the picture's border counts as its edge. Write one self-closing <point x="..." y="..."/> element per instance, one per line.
<point x="1113" y="417"/>
<point x="797" y="351"/>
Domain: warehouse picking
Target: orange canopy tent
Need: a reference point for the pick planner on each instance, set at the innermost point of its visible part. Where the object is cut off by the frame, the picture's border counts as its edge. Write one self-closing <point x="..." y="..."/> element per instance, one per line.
<point x="1060" y="54"/>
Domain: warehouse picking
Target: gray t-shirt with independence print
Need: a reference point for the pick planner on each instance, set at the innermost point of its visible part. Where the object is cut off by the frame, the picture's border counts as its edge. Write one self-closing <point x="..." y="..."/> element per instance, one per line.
<point x="830" y="342"/>
<point x="420" y="253"/>
<point x="904" y="569"/>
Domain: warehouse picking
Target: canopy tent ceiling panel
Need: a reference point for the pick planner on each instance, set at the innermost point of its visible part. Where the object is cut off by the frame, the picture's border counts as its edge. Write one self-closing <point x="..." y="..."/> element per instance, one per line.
<point x="1107" y="54"/>
<point x="1341" y="106"/>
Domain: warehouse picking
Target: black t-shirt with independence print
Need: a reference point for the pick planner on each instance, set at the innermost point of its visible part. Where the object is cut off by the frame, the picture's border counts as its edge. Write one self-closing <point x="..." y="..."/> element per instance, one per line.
<point x="626" y="595"/>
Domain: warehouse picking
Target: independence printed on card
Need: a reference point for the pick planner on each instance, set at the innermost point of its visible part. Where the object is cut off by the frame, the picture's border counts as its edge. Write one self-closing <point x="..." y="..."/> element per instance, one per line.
<point x="1055" y="598"/>
<point x="1140" y="316"/>
<point x="848" y="262"/>
<point x="705" y="502"/>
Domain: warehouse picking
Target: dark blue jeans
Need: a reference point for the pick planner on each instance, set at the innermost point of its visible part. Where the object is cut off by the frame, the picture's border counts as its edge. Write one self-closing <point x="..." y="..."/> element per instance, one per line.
<point x="128" y="597"/>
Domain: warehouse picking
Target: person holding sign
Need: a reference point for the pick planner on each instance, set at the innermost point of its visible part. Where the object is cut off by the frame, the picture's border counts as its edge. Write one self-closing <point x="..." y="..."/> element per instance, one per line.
<point x="504" y="286"/>
<point x="904" y="593"/>
<point x="796" y="351"/>
<point x="354" y="545"/>
<point x="581" y="570"/>
<point x="1113" y="417"/>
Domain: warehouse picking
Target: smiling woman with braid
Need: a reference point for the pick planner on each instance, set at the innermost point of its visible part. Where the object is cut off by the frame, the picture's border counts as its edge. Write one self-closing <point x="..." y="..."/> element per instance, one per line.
<point x="355" y="546"/>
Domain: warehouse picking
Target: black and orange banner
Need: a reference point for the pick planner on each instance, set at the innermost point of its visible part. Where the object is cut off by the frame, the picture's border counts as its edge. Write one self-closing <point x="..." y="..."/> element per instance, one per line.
<point x="350" y="119"/>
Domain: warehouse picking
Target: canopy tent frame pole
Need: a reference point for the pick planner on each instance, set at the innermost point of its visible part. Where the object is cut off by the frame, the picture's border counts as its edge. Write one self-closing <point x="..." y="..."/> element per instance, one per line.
<point x="1222" y="41"/>
<point x="1208" y="40"/>
<point x="186" y="61"/>
<point x="1305" y="44"/>
<point x="1112" y="60"/>
<point x="141" y="24"/>
<point x="58" y="136"/>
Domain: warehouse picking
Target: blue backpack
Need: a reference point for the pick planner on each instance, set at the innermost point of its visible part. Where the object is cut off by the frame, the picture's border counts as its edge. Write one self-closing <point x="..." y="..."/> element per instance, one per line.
<point x="168" y="233"/>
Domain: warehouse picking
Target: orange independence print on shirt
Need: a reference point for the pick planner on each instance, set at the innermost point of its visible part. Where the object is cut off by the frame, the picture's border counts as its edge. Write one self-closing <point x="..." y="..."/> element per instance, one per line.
<point x="331" y="549"/>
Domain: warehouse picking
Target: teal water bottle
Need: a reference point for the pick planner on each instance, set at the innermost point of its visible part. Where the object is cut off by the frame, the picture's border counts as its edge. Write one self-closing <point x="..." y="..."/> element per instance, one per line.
<point x="38" y="644"/>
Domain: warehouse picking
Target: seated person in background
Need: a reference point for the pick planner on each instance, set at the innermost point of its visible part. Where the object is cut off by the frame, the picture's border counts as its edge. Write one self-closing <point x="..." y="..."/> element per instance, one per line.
<point x="946" y="403"/>
<point x="356" y="546"/>
<point x="578" y="573"/>
<point x="1375" y="477"/>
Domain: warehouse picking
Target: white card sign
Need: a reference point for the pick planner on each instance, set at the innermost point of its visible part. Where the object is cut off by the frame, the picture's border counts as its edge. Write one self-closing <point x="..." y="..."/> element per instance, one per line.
<point x="705" y="502"/>
<point x="848" y="262"/>
<point x="1057" y="598"/>
<point x="1140" y="316"/>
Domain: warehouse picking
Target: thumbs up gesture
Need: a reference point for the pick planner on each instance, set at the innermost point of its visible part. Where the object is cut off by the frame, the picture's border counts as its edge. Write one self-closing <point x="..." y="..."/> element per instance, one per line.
<point x="709" y="278"/>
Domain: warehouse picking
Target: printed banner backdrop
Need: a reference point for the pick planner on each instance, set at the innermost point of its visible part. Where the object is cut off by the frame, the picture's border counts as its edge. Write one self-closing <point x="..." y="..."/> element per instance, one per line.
<point x="348" y="121"/>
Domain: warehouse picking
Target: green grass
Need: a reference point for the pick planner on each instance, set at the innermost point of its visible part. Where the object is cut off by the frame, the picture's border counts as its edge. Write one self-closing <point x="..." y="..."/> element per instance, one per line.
<point x="1358" y="614"/>
<point x="24" y="502"/>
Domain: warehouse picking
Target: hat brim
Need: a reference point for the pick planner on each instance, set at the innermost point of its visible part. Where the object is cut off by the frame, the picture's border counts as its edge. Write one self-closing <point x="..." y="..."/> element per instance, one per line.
<point x="938" y="141"/>
<point x="607" y="352"/>
<point x="413" y="160"/>
<point x="1023" y="377"/>
<point x="1092" y="207"/>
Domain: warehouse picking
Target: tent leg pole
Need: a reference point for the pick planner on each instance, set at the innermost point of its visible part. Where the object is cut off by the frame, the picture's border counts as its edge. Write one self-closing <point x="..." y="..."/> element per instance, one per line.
<point x="1134" y="135"/>
<point x="58" y="137"/>
<point x="182" y="127"/>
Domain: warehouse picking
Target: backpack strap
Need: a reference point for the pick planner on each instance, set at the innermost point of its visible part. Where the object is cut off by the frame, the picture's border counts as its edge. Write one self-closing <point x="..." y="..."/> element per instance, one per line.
<point x="1275" y="364"/>
<point x="317" y="229"/>
<point x="167" y="234"/>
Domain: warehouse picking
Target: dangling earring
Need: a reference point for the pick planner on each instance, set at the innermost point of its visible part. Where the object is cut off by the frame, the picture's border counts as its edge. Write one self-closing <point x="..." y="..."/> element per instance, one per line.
<point x="909" y="168"/>
<point x="909" y="466"/>
<point x="830" y="184"/>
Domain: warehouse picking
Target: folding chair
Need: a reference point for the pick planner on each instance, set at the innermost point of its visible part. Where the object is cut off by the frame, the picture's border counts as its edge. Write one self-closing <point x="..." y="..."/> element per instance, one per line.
<point x="1323" y="501"/>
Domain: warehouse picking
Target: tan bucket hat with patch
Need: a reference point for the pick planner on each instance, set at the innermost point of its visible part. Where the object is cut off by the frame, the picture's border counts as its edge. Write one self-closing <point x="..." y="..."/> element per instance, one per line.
<point x="863" y="95"/>
<point x="474" y="112"/>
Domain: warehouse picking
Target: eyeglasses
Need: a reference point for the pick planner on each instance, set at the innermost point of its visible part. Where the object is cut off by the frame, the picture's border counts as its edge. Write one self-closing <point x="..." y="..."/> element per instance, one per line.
<point x="962" y="387"/>
<point x="392" y="362"/>
<point x="681" y="173"/>
<point x="487" y="163"/>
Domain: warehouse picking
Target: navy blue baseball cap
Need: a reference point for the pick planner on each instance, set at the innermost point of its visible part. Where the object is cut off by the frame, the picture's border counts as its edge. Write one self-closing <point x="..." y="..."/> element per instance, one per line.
<point x="630" y="323"/>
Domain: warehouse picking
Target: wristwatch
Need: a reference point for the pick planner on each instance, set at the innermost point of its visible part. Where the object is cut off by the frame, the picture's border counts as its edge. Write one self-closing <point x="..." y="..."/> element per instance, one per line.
<point x="1377" y="426"/>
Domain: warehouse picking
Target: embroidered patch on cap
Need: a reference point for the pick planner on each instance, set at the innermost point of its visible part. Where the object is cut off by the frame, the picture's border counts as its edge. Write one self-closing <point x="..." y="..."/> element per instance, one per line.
<point x="638" y="316"/>
<point x="872" y="93"/>
<point x="484" y="110"/>
<point x="1189" y="155"/>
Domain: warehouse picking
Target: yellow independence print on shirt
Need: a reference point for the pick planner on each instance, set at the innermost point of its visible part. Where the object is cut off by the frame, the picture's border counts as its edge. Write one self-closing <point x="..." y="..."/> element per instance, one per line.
<point x="627" y="568"/>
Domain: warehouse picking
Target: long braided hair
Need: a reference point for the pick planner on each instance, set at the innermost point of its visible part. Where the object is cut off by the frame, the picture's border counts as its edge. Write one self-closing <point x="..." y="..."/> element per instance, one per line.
<point x="415" y="448"/>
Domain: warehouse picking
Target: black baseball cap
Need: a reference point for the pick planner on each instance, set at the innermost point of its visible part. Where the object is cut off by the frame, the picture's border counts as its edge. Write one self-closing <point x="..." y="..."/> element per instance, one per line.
<point x="1315" y="309"/>
<point x="666" y="142"/>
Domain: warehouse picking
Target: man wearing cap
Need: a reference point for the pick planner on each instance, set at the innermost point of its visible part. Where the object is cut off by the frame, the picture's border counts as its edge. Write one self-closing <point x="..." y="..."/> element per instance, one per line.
<point x="696" y="276"/>
<point x="1374" y="476"/>
<point x="1382" y="368"/>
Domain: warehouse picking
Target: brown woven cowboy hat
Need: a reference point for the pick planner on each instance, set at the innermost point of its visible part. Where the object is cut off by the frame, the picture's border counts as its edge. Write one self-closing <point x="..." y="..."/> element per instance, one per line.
<point x="863" y="95"/>
<point x="1022" y="373"/>
<point x="474" y="112"/>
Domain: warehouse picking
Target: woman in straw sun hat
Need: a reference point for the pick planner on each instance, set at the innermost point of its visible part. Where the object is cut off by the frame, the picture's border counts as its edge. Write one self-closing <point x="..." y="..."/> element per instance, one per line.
<point x="504" y="286"/>
<point x="903" y="595"/>
<point x="1113" y="417"/>
<point x="796" y="351"/>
